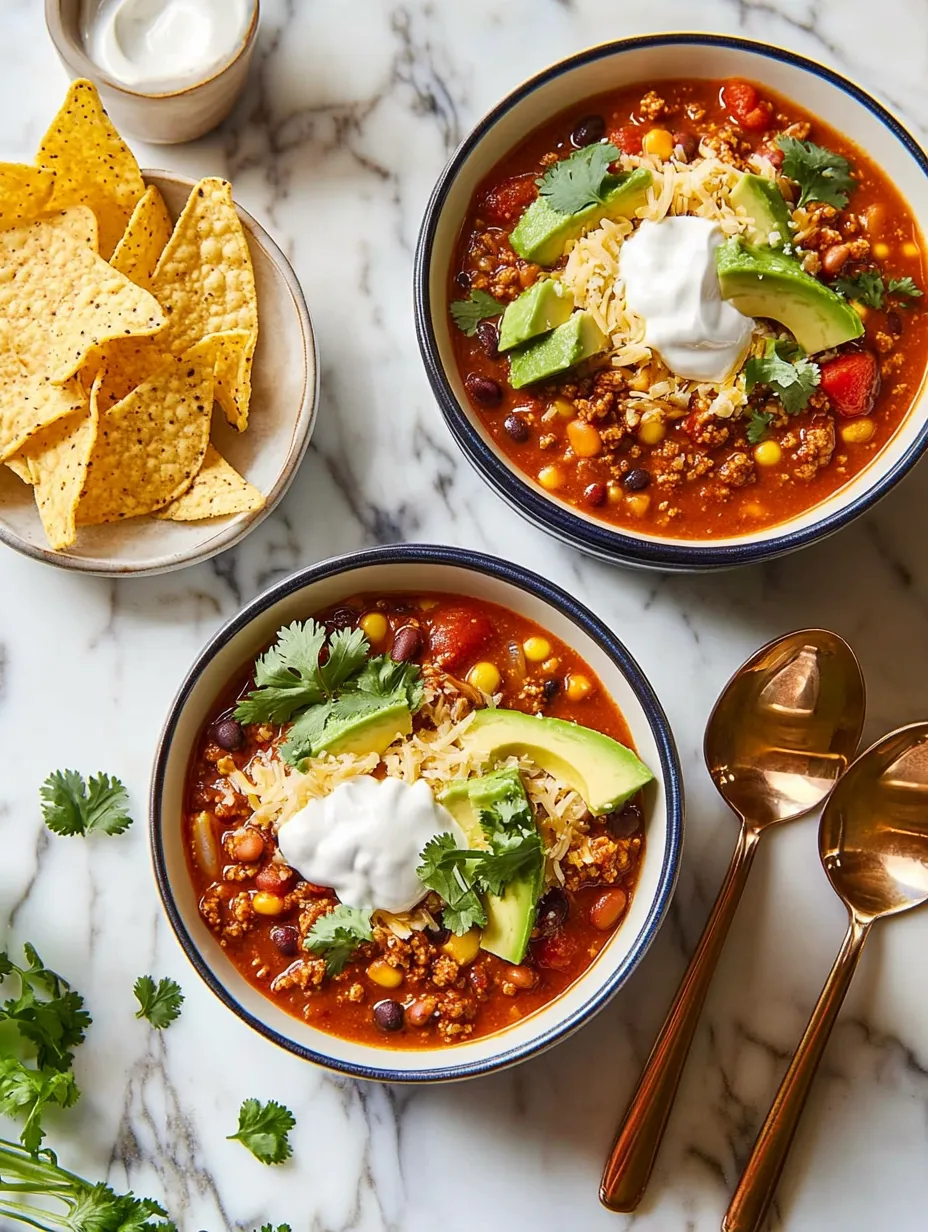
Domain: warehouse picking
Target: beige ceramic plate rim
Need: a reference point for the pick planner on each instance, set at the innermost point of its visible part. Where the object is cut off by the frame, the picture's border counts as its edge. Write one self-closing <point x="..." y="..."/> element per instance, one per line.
<point x="232" y="532"/>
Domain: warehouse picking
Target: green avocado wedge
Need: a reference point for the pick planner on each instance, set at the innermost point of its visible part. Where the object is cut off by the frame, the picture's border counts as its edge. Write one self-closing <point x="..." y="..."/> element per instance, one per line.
<point x="371" y="733"/>
<point x="554" y="352"/>
<point x="542" y="233"/>
<point x="543" y="306"/>
<point x="604" y="772"/>
<point x="766" y="209"/>
<point x="510" y="915"/>
<point x="761" y="282"/>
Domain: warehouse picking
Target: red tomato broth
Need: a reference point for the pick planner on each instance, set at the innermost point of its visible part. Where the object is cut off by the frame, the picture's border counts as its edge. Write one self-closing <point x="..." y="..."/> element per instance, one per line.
<point x="692" y="508"/>
<point x="556" y="960"/>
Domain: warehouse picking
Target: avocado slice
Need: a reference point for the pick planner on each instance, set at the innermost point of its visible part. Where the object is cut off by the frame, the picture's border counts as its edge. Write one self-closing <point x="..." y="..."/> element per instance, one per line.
<point x="542" y="233"/>
<point x="542" y="307"/>
<point x="761" y="282"/>
<point x="371" y="733"/>
<point x="604" y="772"/>
<point x="510" y="915"/>
<point x="766" y="209"/>
<point x="578" y="338"/>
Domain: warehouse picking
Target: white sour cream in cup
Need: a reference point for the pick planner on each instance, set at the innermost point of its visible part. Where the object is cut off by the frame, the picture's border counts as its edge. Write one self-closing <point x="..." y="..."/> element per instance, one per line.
<point x="155" y="46"/>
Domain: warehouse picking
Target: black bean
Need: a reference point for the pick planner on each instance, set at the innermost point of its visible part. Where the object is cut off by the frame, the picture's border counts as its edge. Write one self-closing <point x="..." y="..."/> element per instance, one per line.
<point x="637" y="480"/>
<point x="229" y="735"/>
<point x="687" y="142"/>
<point x="286" y="938"/>
<point x="389" y="1015"/>
<point x="552" y="912"/>
<point x="551" y="688"/>
<point x="595" y="494"/>
<point x="488" y="337"/>
<point x="462" y="278"/>
<point x="341" y="618"/>
<point x="894" y="323"/>
<point x="483" y="389"/>
<point x="438" y="936"/>
<point x="406" y="644"/>
<point x="624" y="822"/>
<point x="591" y="128"/>
<point x="516" y="427"/>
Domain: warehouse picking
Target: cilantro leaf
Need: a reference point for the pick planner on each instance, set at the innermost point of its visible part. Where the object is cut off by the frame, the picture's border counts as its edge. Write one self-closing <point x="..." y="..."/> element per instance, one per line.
<point x="758" y="423"/>
<point x="516" y="856"/>
<point x="263" y="1128"/>
<point x="905" y="287"/>
<point x="160" y="1003"/>
<point x="822" y="175"/>
<point x="786" y="371"/>
<point x="579" y="180"/>
<point x="269" y="1227"/>
<point x="286" y="676"/>
<point x="384" y="677"/>
<point x="445" y="869"/>
<point x="26" y="1093"/>
<point x="71" y="806"/>
<point x="865" y="288"/>
<point x="479" y="306"/>
<point x="336" y="935"/>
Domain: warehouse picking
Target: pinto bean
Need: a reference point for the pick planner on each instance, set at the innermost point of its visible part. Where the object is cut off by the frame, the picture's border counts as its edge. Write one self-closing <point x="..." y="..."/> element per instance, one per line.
<point x="522" y="977"/>
<point x="246" y="845"/>
<point x="834" y="258"/>
<point x="607" y="909"/>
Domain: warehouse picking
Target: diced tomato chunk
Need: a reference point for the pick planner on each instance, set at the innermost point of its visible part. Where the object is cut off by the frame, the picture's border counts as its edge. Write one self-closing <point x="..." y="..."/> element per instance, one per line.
<point x="456" y="634"/>
<point x="504" y="203"/>
<point x="759" y="119"/>
<point x="274" y="878"/>
<point x="556" y="952"/>
<point x="852" y="382"/>
<point x="745" y="106"/>
<point x="627" y="137"/>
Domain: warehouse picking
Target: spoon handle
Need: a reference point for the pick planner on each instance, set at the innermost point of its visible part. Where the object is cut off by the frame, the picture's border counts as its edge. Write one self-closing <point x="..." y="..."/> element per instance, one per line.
<point x="761" y="1174"/>
<point x="631" y="1161"/>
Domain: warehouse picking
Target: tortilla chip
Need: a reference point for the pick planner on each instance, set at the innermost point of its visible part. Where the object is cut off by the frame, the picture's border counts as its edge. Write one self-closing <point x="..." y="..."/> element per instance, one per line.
<point x="143" y="242"/>
<point x="24" y="192"/>
<point x="79" y="221"/>
<point x="92" y="164"/>
<point x="56" y="460"/>
<point x="217" y="491"/>
<point x="60" y="300"/>
<point x="205" y="283"/>
<point x="150" y="446"/>
<point x="122" y="365"/>
<point x="29" y="403"/>
<point x="20" y="467"/>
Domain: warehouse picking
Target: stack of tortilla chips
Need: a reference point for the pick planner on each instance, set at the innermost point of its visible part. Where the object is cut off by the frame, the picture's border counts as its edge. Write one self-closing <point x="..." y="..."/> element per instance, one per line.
<point x="118" y="331"/>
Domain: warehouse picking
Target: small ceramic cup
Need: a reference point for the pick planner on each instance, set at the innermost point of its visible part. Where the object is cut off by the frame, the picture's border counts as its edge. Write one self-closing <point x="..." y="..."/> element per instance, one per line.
<point x="162" y="119"/>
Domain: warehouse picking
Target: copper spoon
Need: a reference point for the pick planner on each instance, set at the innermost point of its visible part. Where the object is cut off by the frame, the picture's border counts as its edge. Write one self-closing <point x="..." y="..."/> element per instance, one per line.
<point x="873" y="841"/>
<point x="782" y="733"/>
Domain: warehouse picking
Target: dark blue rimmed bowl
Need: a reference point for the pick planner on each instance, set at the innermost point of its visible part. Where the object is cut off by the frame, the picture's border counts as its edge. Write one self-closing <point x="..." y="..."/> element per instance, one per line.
<point x="567" y="84"/>
<point x="421" y="569"/>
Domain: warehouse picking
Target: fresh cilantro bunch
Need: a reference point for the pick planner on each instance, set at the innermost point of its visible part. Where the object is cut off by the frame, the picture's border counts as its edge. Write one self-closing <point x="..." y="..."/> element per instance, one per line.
<point x="581" y="179"/>
<point x="822" y="175"/>
<point x="264" y="1129"/>
<point x="324" y="685"/>
<point x="336" y="935"/>
<point x="479" y="306"/>
<point x="870" y="289"/>
<point x="39" y="1031"/>
<point x="786" y="371"/>
<point x="160" y="1003"/>
<point x="71" y="806"/>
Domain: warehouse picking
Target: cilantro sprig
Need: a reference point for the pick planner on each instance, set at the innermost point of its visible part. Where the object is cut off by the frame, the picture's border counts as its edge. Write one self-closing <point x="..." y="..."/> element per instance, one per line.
<point x="869" y="288"/>
<point x="324" y="685"/>
<point x="579" y="180"/>
<point x="786" y="371"/>
<point x="479" y="306"/>
<point x="160" y="1003"/>
<point x="757" y="425"/>
<point x="264" y="1129"/>
<point x="449" y="871"/>
<point x="336" y="935"/>
<point x="822" y="175"/>
<point x="71" y="806"/>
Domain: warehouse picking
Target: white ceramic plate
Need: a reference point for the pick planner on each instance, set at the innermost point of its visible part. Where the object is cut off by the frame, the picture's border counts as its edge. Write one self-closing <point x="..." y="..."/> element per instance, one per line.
<point x="285" y="387"/>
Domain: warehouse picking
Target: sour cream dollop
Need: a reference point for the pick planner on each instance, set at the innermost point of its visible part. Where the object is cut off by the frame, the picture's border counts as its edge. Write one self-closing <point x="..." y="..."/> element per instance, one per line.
<point x="364" y="840"/>
<point x="159" y="45"/>
<point x="670" y="277"/>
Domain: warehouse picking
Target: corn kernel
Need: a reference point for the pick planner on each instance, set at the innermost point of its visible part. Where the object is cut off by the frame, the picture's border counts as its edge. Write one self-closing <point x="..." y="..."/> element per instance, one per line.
<point x="383" y="974"/>
<point x="463" y="949"/>
<point x="767" y="453"/>
<point x="578" y="687"/>
<point x="485" y="677"/>
<point x="658" y="143"/>
<point x="536" y="649"/>
<point x="564" y="408"/>
<point x="861" y="309"/>
<point x="374" y="626"/>
<point x="909" y="249"/>
<point x="428" y="605"/>
<point x="550" y="478"/>
<point x="638" y="504"/>
<point x="584" y="439"/>
<point x="267" y="904"/>
<point x="652" y="431"/>
<point x="614" y="493"/>
<point x="550" y="666"/>
<point x="857" y="431"/>
<point x="880" y="250"/>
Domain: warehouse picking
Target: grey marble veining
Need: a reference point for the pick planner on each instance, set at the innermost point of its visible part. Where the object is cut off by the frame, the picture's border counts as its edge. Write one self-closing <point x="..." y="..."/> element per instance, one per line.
<point x="349" y="117"/>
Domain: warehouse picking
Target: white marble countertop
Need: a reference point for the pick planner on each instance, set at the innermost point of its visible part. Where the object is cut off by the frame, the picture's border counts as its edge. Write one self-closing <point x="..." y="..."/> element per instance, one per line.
<point x="351" y="112"/>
